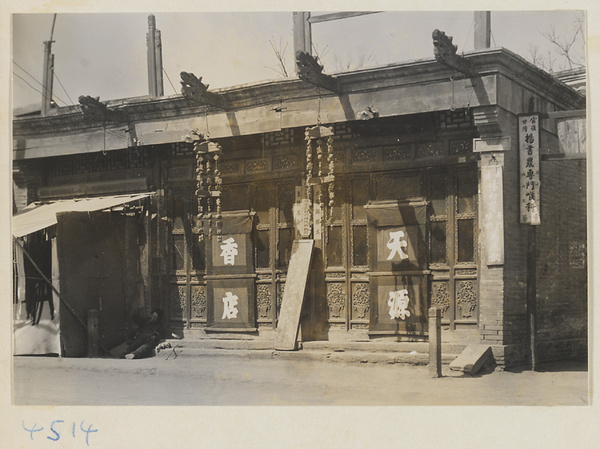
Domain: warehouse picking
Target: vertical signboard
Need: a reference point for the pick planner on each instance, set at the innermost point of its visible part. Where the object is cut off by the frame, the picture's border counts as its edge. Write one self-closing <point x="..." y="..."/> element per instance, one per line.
<point x="529" y="169"/>
<point x="230" y="275"/>
<point x="398" y="267"/>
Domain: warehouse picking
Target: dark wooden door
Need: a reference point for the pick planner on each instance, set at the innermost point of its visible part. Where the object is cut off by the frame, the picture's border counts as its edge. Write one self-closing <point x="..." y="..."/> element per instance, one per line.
<point x="453" y="243"/>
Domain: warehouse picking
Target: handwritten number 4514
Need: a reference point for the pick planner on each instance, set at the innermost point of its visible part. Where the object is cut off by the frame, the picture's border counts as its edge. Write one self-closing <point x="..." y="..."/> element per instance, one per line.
<point x="55" y="428"/>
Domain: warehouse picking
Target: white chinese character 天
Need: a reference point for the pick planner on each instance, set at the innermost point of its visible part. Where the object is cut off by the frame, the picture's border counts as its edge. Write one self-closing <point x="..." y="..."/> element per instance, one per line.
<point x="230" y="310"/>
<point x="396" y="245"/>
<point x="229" y="251"/>
<point x="398" y="303"/>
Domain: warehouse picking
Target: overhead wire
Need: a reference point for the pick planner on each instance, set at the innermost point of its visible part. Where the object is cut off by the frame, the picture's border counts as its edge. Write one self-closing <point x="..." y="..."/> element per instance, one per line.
<point x="34" y="78"/>
<point x="63" y="88"/>
<point x="37" y="90"/>
<point x="468" y="34"/>
<point x="175" y="90"/>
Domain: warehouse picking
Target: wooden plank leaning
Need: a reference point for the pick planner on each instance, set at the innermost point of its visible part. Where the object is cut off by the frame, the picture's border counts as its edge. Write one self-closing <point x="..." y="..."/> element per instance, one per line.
<point x="293" y="295"/>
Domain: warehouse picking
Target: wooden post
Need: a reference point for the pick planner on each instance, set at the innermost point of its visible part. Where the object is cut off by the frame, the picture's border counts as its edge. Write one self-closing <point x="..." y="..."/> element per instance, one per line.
<point x="435" y="342"/>
<point x="302" y="33"/>
<point x="531" y="293"/>
<point x="483" y="29"/>
<point x="47" y="78"/>
<point x="92" y="333"/>
<point x="154" y="47"/>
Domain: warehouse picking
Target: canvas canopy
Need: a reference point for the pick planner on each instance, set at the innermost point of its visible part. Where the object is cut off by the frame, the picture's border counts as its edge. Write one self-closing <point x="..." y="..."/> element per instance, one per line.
<point x="36" y="217"/>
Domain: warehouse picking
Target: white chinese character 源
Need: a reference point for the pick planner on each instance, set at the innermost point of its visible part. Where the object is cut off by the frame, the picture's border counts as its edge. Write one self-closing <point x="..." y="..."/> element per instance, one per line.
<point x="230" y="310"/>
<point x="395" y="245"/>
<point x="398" y="303"/>
<point x="229" y="251"/>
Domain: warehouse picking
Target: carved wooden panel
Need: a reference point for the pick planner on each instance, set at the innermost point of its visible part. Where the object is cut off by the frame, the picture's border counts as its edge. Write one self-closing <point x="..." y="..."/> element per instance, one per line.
<point x="440" y="297"/>
<point x="466" y="300"/>
<point x="280" y="290"/>
<point x="336" y="300"/>
<point x="258" y="165"/>
<point x="199" y="301"/>
<point x="360" y="301"/>
<point x="364" y="155"/>
<point x="230" y="168"/>
<point x="98" y="162"/>
<point x="430" y="149"/>
<point x="181" y="173"/>
<point x="263" y="301"/>
<point x="397" y="153"/>
<point x="461" y="146"/>
<point x="285" y="162"/>
<point x="178" y="302"/>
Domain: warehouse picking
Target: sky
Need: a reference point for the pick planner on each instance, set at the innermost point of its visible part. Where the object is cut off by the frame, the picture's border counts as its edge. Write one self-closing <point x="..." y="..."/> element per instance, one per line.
<point x="104" y="55"/>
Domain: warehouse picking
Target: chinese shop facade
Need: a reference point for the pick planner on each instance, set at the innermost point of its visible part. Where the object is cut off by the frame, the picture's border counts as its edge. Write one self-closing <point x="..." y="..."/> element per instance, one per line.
<point x="407" y="180"/>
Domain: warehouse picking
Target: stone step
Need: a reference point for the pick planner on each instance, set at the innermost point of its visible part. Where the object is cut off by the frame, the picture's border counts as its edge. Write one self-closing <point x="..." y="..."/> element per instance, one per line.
<point x="328" y="346"/>
<point x="310" y="355"/>
<point x="414" y="355"/>
<point x="381" y="346"/>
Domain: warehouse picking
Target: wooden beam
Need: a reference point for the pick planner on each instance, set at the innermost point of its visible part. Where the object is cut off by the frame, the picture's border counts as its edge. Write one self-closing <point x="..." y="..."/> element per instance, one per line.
<point x="445" y="52"/>
<point x="339" y="15"/>
<point x="310" y="70"/>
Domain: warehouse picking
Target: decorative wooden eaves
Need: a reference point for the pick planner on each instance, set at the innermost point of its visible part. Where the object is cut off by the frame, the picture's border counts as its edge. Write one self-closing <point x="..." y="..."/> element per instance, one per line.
<point x="311" y="71"/>
<point x="445" y="52"/>
<point x="94" y="110"/>
<point x="194" y="90"/>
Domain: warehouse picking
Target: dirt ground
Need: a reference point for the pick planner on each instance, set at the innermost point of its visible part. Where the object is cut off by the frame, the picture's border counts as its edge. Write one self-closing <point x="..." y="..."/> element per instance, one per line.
<point x="226" y="380"/>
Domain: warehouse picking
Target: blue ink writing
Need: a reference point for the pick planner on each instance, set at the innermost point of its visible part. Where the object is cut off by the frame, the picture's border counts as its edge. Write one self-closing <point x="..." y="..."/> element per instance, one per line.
<point x="54" y="430"/>
<point x="33" y="429"/>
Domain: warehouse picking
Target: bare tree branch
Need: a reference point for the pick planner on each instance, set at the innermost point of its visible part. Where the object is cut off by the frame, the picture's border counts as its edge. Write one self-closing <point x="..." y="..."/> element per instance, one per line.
<point x="279" y="52"/>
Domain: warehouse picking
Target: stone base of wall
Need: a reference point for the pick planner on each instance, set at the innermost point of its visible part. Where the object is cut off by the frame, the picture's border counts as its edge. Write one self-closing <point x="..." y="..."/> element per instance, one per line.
<point x="572" y="349"/>
<point x="508" y="356"/>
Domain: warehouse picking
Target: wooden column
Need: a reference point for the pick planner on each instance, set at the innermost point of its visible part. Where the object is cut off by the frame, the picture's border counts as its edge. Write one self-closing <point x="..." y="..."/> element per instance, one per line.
<point x="435" y="342"/>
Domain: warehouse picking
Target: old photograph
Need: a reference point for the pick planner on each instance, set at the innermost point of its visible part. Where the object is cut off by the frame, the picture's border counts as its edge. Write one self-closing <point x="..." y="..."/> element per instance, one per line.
<point x="363" y="208"/>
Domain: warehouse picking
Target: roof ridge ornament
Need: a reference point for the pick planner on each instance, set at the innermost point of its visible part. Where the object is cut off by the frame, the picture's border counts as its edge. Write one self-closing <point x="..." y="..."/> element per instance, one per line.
<point x="194" y="90"/>
<point x="94" y="110"/>
<point x="445" y="52"/>
<point x="311" y="71"/>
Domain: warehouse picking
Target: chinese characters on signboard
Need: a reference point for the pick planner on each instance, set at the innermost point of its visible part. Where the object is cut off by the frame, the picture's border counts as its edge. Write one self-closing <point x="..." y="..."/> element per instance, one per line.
<point x="398" y="304"/>
<point x="230" y="302"/>
<point x="395" y="245"/>
<point x="529" y="165"/>
<point x="229" y="251"/>
<point x="398" y="300"/>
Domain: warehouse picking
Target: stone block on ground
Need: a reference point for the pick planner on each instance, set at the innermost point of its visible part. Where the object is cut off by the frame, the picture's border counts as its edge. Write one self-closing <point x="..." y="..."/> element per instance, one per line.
<point x="472" y="359"/>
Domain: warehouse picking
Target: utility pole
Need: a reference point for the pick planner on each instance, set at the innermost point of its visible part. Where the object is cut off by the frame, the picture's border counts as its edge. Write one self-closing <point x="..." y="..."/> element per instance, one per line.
<point x="155" y="66"/>
<point x="48" y="75"/>
<point x="483" y="29"/>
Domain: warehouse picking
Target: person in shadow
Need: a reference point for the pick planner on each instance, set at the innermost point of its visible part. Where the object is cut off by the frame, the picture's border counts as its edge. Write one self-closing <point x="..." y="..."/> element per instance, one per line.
<point x="144" y="341"/>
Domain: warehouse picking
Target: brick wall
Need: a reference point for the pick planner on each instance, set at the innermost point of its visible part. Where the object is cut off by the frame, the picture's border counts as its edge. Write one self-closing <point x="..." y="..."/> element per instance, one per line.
<point x="562" y="262"/>
<point x="515" y="258"/>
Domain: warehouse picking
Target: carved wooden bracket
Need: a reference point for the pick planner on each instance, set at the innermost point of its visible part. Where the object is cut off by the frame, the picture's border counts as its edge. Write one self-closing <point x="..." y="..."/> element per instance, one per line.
<point x="445" y="52"/>
<point x="193" y="89"/>
<point x="94" y="110"/>
<point x="310" y="70"/>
